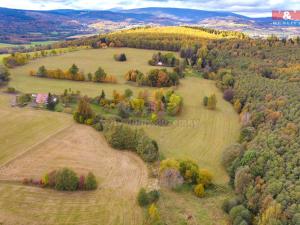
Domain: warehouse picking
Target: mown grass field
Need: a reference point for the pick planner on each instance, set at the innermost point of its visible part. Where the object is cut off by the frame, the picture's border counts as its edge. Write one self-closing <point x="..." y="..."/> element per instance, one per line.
<point x="23" y="128"/>
<point x="200" y="134"/>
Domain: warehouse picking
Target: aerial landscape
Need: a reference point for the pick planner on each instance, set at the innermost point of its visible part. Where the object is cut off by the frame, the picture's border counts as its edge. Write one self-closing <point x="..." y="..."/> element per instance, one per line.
<point x="149" y="112"/>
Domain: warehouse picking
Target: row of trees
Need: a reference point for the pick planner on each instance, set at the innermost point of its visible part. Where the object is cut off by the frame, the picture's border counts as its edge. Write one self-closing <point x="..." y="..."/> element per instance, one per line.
<point x="126" y="138"/>
<point x="65" y="180"/>
<point x="73" y="73"/>
<point x="143" y="105"/>
<point x="19" y="59"/>
<point x="154" y="78"/>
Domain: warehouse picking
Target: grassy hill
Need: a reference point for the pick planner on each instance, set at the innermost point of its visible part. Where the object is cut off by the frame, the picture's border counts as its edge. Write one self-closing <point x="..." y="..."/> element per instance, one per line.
<point x="201" y="136"/>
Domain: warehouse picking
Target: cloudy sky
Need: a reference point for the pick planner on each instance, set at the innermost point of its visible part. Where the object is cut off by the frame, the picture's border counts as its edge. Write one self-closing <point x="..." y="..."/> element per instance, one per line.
<point x="245" y="7"/>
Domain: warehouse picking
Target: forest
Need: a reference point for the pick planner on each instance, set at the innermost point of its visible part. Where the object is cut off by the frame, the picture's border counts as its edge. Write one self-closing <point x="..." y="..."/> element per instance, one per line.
<point x="256" y="78"/>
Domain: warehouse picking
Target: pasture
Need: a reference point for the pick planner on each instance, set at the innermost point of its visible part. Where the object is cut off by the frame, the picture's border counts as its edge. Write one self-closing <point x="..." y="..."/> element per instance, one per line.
<point x="82" y="149"/>
<point x="199" y="134"/>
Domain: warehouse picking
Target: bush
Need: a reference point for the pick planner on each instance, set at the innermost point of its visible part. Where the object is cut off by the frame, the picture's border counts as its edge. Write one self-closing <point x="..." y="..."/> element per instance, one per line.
<point x="170" y="178"/>
<point x="89" y="122"/>
<point x="228" y="95"/>
<point x="169" y="164"/>
<point x="100" y="75"/>
<point x="153" y="196"/>
<point x="147" y="149"/>
<point x="24" y="99"/>
<point x="189" y="170"/>
<point x="84" y="111"/>
<point x="212" y="102"/>
<point x="90" y="182"/>
<point x="205" y="177"/>
<point x="98" y="126"/>
<point x="205" y="100"/>
<point x="120" y="57"/>
<point x="66" y="180"/>
<point x="199" y="190"/>
<point x="154" y="215"/>
<point x="10" y="90"/>
<point x="143" y="197"/>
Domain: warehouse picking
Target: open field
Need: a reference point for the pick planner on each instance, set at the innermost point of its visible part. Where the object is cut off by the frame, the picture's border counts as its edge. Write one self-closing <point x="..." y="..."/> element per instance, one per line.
<point x="23" y="128"/>
<point x="200" y="134"/>
<point x="176" y="207"/>
<point x="121" y="175"/>
<point x="203" y="133"/>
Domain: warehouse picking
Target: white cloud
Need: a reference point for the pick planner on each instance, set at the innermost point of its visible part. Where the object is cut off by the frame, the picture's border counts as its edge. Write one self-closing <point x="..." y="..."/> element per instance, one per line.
<point x="246" y="7"/>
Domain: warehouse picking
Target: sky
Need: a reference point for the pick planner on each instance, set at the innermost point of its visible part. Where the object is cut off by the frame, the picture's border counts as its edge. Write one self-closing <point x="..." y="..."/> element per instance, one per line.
<point x="254" y="8"/>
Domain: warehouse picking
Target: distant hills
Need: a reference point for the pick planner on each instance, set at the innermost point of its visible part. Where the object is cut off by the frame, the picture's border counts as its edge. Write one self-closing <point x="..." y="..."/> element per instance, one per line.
<point x="22" y="26"/>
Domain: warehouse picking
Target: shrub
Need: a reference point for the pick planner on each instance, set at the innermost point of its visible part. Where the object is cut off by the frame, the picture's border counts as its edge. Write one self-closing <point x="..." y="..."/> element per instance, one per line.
<point x="170" y="178"/>
<point x="91" y="182"/>
<point x="89" y="121"/>
<point x="169" y="164"/>
<point x="11" y="90"/>
<point x="205" y="100"/>
<point x="15" y="59"/>
<point x="134" y="75"/>
<point x="212" y="102"/>
<point x="99" y="75"/>
<point x="189" y="170"/>
<point x="199" y="190"/>
<point x="84" y="110"/>
<point x="153" y="214"/>
<point x="147" y="149"/>
<point x="24" y="99"/>
<point x="143" y="197"/>
<point x="98" y="126"/>
<point x="205" y="177"/>
<point x="237" y="106"/>
<point x="228" y="95"/>
<point x="153" y="196"/>
<point x="66" y="180"/>
<point x="45" y="180"/>
<point x="120" y="57"/>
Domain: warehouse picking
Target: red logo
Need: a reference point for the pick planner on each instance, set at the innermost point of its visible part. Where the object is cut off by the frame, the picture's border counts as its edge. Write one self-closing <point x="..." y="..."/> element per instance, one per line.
<point x="286" y="14"/>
